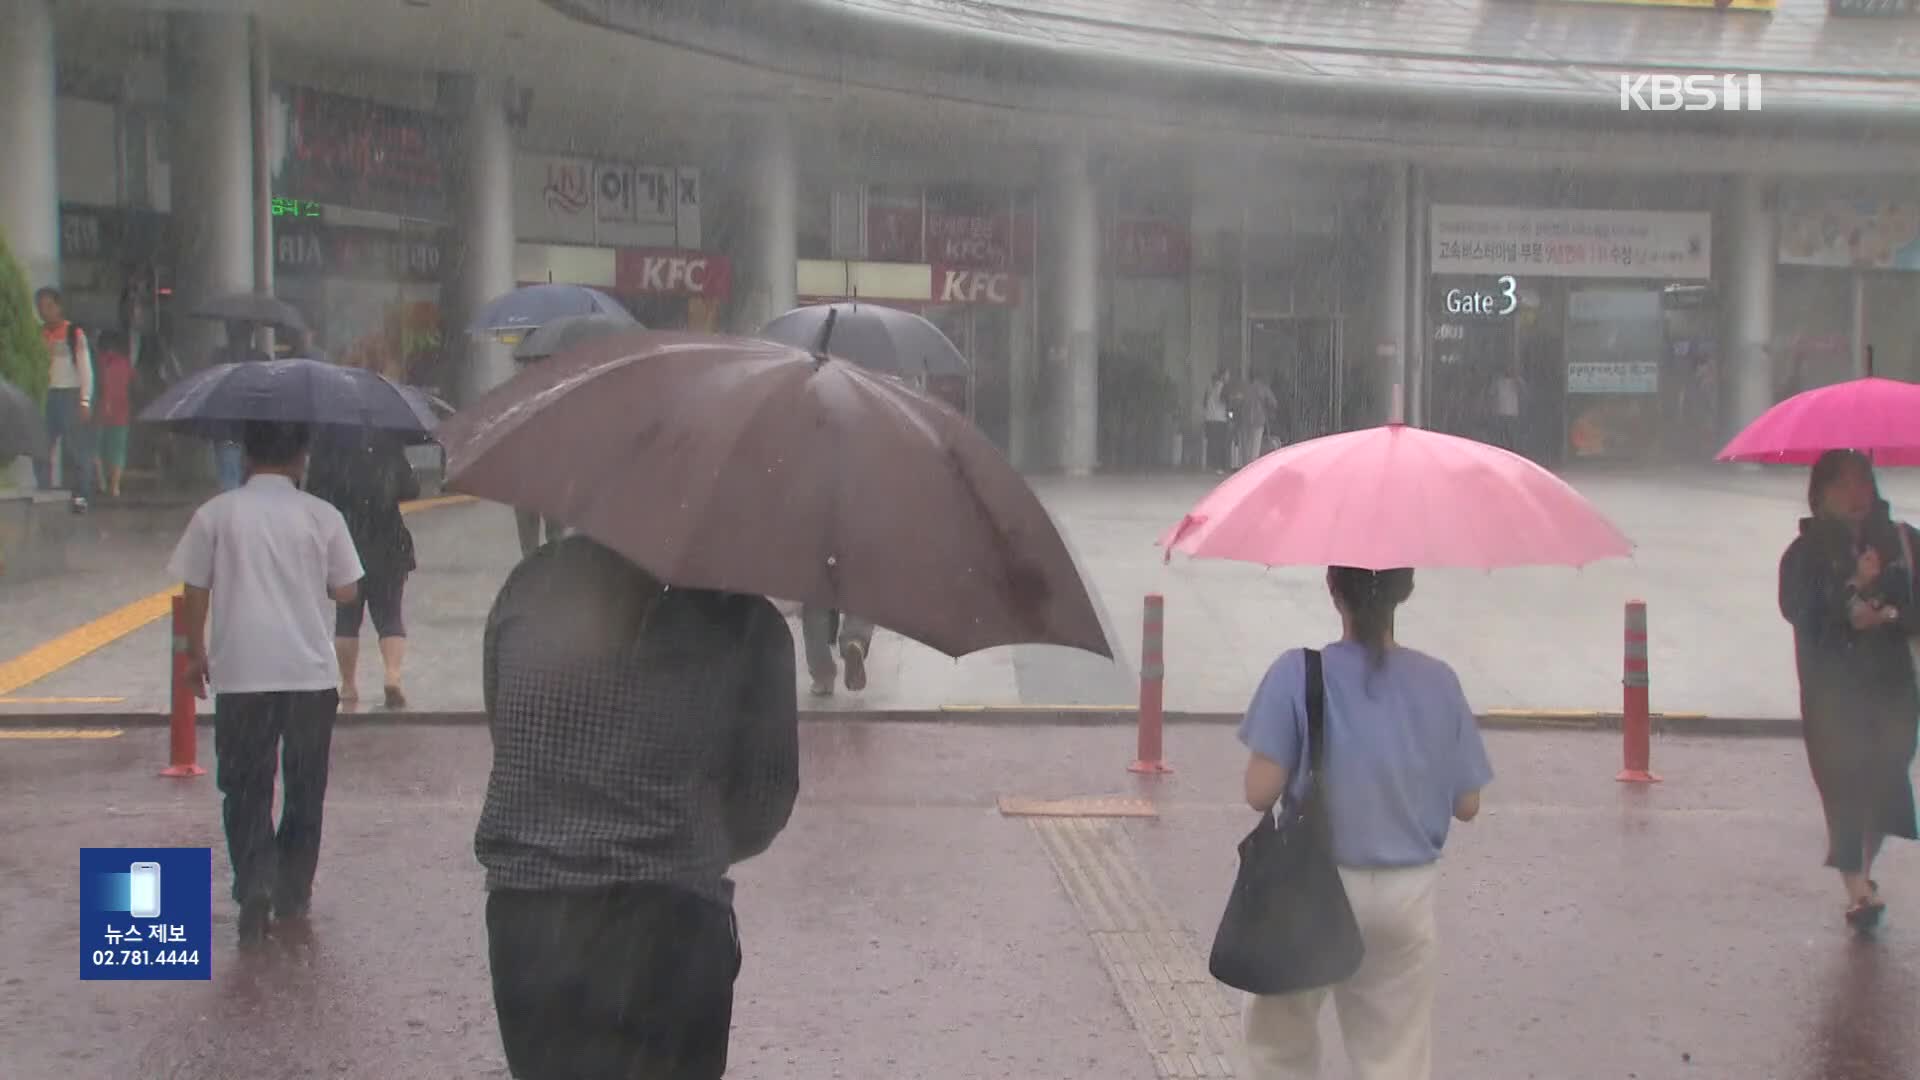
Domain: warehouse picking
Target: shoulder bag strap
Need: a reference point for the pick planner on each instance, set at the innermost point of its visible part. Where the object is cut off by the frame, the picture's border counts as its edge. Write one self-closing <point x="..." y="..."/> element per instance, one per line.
<point x="1906" y="555"/>
<point x="1316" y="720"/>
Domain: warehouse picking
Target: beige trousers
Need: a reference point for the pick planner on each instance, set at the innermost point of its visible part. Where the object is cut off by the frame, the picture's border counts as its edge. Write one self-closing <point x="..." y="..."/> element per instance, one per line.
<point x="1385" y="1010"/>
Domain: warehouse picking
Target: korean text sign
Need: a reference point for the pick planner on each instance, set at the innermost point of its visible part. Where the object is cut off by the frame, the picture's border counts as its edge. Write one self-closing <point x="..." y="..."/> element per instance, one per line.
<point x="146" y="913"/>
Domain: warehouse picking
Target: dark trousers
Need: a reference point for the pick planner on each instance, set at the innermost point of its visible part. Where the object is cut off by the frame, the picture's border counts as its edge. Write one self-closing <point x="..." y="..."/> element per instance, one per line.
<point x="73" y="441"/>
<point x="823" y="630"/>
<point x="531" y="526"/>
<point x="1219" y="439"/>
<point x="633" y="982"/>
<point x="249" y="731"/>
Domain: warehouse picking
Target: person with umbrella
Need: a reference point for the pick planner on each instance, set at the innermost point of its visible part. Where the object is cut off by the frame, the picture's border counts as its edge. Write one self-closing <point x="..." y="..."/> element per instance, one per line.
<point x="645" y="740"/>
<point x="366" y="476"/>
<point x="262" y="560"/>
<point x="1847" y="587"/>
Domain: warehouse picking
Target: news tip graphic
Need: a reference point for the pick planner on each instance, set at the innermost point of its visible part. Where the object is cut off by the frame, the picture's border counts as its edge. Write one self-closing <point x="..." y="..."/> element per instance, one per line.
<point x="146" y="914"/>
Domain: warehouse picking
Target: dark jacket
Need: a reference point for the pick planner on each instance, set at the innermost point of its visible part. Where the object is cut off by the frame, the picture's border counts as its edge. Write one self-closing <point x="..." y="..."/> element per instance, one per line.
<point x="366" y="476"/>
<point x="1839" y="665"/>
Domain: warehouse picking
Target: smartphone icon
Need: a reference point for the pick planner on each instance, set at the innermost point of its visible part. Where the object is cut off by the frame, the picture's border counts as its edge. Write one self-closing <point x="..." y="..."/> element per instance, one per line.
<point x="143" y="890"/>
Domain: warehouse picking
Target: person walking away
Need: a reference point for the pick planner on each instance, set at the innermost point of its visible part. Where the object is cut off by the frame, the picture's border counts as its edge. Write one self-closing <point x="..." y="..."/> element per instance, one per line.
<point x="112" y="411"/>
<point x="645" y="739"/>
<point x="1217" y="419"/>
<point x="69" y="401"/>
<point x="263" y="560"/>
<point x="1506" y="411"/>
<point x="1257" y="406"/>
<point x="228" y="455"/>
<point x="366" y="476"/>
<point x="1847" y="588"/>
<point x="1404" y="759"/>
<point x="825" y="631"/>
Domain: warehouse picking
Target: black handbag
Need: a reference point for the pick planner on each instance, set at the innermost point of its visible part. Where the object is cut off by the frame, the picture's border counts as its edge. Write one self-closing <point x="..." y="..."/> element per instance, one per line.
<point x="1288" y="925"/>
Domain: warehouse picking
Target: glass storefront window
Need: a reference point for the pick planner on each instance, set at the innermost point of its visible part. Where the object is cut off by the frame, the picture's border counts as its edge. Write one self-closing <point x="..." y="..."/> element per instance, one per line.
<point x="1893" y="323"/>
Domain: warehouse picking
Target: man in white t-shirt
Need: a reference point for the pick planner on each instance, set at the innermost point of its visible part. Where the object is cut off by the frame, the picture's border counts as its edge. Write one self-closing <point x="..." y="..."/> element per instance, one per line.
<point x="270" y="562"/>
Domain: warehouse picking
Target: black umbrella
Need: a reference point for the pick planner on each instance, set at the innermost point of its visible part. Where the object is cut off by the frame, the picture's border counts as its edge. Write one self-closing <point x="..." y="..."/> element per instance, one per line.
<point x="881" y="338"/>
<point x="568" y="331"/>
<point x="257" y="308"/>
<point x="23" y="431"/>
<point x="212" y="403"/>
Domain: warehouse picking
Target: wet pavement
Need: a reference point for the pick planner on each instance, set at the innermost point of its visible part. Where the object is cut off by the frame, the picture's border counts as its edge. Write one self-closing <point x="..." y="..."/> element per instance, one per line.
<point x="902" y="927"/>
<point x="1522" y="640"/>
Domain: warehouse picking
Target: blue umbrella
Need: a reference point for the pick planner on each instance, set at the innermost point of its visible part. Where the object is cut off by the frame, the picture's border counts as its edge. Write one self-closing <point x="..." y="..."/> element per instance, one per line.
<point x="536" y="305"/>
<point x="881" y="338"/>
<point x="296" y="390"/>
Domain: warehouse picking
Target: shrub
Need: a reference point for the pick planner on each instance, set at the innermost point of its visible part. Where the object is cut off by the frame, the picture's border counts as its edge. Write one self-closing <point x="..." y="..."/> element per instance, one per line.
<point x="23" y="356"/>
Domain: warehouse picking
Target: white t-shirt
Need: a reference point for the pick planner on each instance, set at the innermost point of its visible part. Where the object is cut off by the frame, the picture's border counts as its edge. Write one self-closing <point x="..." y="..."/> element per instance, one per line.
<point x="268" y="552"/>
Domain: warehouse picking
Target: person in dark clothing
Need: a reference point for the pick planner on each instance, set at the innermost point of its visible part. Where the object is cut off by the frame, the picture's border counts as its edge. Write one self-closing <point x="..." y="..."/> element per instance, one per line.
<point x="1847" y="586"/>
<point x="366" y="476"/>
<point x="645" y="739"/>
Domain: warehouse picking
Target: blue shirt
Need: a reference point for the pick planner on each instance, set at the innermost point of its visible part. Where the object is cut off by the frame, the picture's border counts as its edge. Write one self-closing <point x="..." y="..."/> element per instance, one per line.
<point x="1402" y="745"/>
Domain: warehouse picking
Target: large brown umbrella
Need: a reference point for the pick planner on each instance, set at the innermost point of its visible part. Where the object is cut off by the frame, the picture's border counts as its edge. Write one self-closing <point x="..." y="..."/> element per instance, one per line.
<point x="742" y="465"/>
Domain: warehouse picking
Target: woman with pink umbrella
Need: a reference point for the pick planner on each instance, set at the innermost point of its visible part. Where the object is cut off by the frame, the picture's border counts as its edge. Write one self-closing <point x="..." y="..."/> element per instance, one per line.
<point x="1847" y="585"/>
<point x="1365" y="742"/>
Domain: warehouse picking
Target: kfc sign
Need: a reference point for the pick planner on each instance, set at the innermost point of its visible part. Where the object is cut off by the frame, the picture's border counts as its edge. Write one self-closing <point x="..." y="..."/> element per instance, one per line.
<point x="953" y="285"/>
<point x="672" y="273"/>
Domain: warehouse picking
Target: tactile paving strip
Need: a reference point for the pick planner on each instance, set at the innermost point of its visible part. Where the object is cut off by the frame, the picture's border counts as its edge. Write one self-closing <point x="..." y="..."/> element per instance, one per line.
<point x="1190" y="1026"/>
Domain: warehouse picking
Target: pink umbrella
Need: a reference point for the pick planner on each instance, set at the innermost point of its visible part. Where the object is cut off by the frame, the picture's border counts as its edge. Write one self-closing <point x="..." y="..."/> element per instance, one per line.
<point x="1878" y="417"/>
<point x="1396" y="496"/>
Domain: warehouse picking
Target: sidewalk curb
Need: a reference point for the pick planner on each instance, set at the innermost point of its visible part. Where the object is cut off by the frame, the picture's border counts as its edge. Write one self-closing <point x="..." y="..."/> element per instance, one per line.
<point x="988" y="716"/>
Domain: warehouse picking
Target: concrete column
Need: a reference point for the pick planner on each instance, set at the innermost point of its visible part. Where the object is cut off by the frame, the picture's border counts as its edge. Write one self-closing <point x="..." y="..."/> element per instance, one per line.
<point x="483" y="214"/>
<point x="261" y="78"/>
<point x="29" y="180"/>
<point x="1392" y="262"/>
<point x="211" y="129"/>
<point x="1073" y="226"/>
<point x="1022" y="391"/>
<point x="1415" y="335"/>
<point x="1751" y="238"/>
<point x="772" y="249"/>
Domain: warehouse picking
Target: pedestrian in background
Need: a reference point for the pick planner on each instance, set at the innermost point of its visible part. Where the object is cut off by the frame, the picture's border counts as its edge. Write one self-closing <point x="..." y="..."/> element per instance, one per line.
<point x="1257" y="406"/>
<point x="264" y="559"/>
<point x="1847" y="587"/>
<point x="366" y="476"/>
<point x="69" y="402"/>
<point x="229" y="458"/>
<point x="1217" y="426"/>
<point x="1403" y="760"/>
<point x="112" y="411"/>
<point x="645" y="739"/>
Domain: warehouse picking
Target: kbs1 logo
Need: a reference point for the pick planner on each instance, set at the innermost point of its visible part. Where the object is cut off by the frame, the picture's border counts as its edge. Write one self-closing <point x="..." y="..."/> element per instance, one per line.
<point x="1689" y="93"/>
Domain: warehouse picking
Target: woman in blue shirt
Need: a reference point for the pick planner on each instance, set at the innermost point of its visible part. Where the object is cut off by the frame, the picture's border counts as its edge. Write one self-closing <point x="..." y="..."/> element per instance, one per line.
<point x="1404" y="760"/>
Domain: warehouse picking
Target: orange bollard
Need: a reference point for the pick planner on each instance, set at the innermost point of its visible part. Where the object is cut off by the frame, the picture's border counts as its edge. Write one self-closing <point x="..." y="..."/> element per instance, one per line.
<point x="183" y="737"/>
<point x="1153" y="673"/>
<point x="1636" y="721"/>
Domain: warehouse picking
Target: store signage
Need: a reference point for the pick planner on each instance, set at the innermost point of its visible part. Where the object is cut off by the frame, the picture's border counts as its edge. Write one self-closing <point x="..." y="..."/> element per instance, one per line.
<point x="1874" y="9"/>
<point x="1147" y="248"/>
<point x="1654" y="244"/>
<point x="1867" y="233"/>
<point x="1717" y="5"/>
<point x="672" y="273"/>
<point x="958" y="285"/>
<point x="1628" y="377"/>
<point x="300" y="249"/>
<point x="296" y="208"/>
<point x="90" y="232"/>
<point x="579" y="200"/>
<point x="1690" y="93"/>
<point x="349" y="152"/>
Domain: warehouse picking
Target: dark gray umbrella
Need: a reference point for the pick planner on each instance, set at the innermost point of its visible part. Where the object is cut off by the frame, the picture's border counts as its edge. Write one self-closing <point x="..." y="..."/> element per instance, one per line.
<point x="565" y="332"/>
<point x="211" y="403"/>
<point x="881" y="338"/>
<point x="23" y="431"/>
<point x="257" y="308"/>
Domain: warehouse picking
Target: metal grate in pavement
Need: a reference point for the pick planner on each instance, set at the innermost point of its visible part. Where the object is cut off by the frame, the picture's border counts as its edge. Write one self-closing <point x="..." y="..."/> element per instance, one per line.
<point x="1189" y="1025"/>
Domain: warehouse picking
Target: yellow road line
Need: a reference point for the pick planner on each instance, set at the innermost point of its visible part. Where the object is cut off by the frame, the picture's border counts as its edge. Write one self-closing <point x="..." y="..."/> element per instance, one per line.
<point x="50" y="656"/>
<point x="61" y="733"/>
<point x="61" y="700"/>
